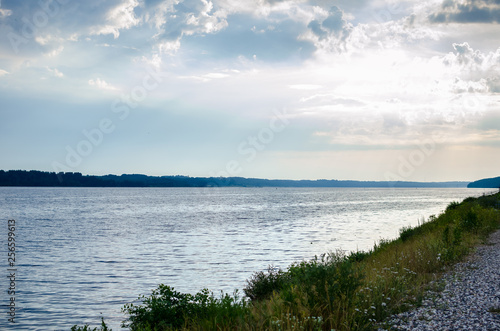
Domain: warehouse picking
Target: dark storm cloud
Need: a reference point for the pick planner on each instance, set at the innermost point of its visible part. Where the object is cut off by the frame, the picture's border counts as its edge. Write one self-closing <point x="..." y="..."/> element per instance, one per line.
<point x="472" y="11"/>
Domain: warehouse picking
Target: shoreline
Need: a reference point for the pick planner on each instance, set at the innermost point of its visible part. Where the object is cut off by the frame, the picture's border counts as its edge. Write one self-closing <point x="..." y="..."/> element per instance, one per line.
<point x="469" y="300"/>
<point x="363" y="290"/>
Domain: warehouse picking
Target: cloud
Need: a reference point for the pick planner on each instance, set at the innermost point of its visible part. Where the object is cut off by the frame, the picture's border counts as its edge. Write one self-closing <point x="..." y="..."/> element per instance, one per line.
<point x="402" y="33"/>
<point x="494" y="84"/>
<point x="461" y="86"/>
<point x="118" y="18"/>
<point x="386" y="130"/>
<point x="476" y="71"/>
<point x="331" y="100"/>
<point x="55" y="72"/>
<point x="5" y="13"/>
<point x="468" y="11"/>
<point x="207" y="77"/>
<point x="188" y="17"/>
<point x="334" y="25"/>
<point x="465" y="57"/>
<point x="3" y="72"/>
<point x="101" y="84"/>
<point x="272" y="39"/>
<point x="54" y="52"/>
<point x="305" y="87"/>
<point x="337" y="32"/>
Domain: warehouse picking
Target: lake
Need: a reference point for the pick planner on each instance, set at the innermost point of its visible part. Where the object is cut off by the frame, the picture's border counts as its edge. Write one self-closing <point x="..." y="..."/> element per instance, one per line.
<point x="82" y="253"/>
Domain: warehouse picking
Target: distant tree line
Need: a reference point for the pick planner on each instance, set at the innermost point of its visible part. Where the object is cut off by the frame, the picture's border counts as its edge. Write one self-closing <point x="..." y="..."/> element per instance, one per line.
<point x="486" y="183"/>
<point x="76" y="179"/>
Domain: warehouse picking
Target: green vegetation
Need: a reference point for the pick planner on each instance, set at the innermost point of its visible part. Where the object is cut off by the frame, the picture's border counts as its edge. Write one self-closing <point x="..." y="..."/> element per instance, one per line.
<point x="168" y="309"/>
<point x="76" y="179"/>
<point x="486" y="183"/>
<point x="86" y="327"/>
<point x="335" y="291"/>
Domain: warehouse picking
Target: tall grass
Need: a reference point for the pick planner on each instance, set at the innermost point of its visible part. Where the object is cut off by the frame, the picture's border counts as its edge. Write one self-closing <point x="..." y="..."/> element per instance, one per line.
<point x="334" y="291"/>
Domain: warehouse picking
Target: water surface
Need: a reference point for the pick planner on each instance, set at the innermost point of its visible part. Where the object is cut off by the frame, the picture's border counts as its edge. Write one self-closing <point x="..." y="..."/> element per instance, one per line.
<point x="86" y="251"/>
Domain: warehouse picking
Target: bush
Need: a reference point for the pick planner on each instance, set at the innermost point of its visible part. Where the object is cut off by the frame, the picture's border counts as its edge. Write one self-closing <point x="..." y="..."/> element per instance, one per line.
<point x="453" y="205"/>
<point x="262" y="285"/>
<point x="326" y="280"/>
<point x="326" y="277"/>
<point x="406" y="233"/>
<point x="489" y="201"/>
<point x="86" y="327"/>
<point x="168" y="309"/>
<point x="470" y="222"/>
<point x="358" y="256"/>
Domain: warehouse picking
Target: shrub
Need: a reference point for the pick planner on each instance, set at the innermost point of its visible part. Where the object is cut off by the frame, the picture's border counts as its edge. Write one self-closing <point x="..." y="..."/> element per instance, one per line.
<point x="168" y="309"/>
<point x="453" y="205"/>
<point x="358" y="256"/>
<point x="470" y="222"/>
<point x="86" y="327"/>
<point x="407" y="232"/>
<point x="489" y="201"/>
<point x="326" y="280"/>
<point x="262" y="285"/>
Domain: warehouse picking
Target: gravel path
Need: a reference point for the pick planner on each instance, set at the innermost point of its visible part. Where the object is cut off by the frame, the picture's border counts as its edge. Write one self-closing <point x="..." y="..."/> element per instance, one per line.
<point x="471" y="290"/>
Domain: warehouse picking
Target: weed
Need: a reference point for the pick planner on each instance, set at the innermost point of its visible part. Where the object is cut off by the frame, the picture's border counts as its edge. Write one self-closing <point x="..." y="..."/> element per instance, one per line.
<point x="86" y="327"/>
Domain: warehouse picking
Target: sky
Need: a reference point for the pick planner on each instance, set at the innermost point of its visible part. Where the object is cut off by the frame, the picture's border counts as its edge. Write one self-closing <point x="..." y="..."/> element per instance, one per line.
<point x="318" y="89"/>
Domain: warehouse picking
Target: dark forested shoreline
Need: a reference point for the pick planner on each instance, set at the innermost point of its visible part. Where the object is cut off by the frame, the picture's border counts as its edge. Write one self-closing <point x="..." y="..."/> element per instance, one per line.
<point x="76" y="179"/>
<point x="486" y="183"/>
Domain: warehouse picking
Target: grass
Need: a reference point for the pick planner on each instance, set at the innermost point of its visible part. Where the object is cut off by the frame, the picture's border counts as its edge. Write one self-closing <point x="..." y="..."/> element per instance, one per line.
<point x="334" y="291"/>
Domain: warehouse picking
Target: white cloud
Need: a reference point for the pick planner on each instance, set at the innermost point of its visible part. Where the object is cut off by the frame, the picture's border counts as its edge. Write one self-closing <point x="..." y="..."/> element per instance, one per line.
<point x="55" y="72"/>
<point x="465" y="57"/>
<point x="476" y="71"/>
<point x="467" y="11"/>
<point x="305" y="87"/>
<point x="3" y="72"/>
<point x="101" y="84"/>
<point x="45" y="39"/>
<point x="215" y="75"/>
<point x="169" y="47"/>
<point x="173" y="20"/>
<point x="155" y="61"/>
<point x="5" y="12"/>
<point x="55" y="52"/>
<point x="207" y="21"/>
<point x="207" y="77"/>
<point x="461" y="86"/>
<point x="329" y="31"/>
<point x="118" y="18"/>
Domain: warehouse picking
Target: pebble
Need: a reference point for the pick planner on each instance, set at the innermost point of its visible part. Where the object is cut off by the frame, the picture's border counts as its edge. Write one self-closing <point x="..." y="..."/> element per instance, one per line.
<point x="472" y="290"/>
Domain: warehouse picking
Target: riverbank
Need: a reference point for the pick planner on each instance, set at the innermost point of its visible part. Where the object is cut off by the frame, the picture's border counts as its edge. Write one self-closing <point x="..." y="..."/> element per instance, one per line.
<point x="469" y="298"/>
<point x="334" y="291"/>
